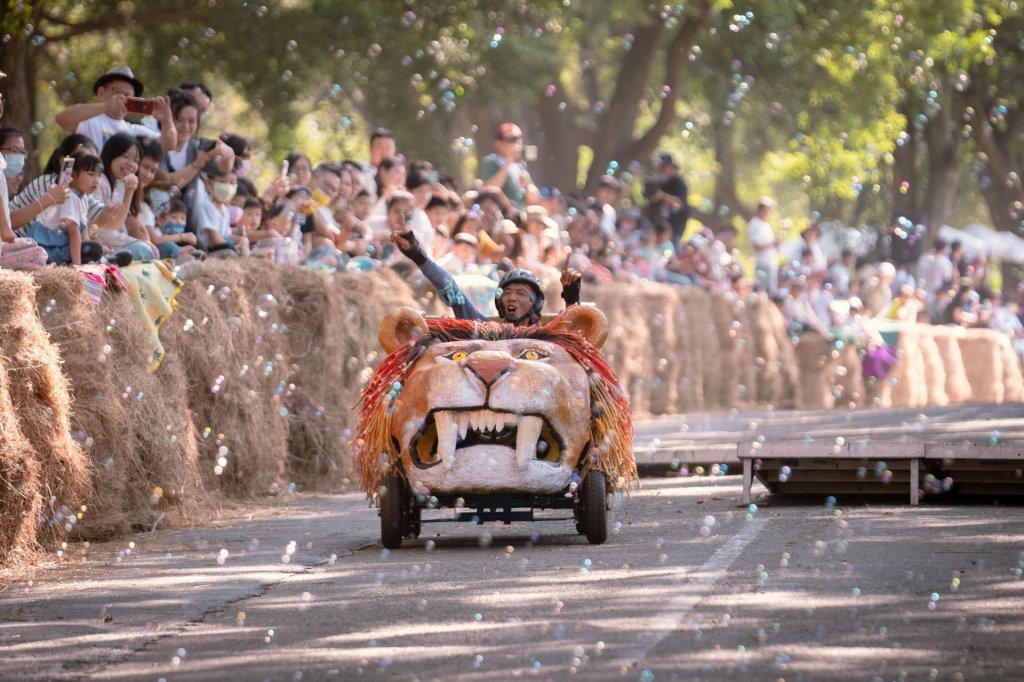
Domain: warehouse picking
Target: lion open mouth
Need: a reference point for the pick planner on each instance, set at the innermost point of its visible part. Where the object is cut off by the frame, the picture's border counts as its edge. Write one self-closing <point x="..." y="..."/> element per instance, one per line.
<point x="447" y="432"/>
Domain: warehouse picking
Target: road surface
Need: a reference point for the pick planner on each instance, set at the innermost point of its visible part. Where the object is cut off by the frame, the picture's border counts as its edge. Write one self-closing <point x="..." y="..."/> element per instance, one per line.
<point x="690" y="586"/>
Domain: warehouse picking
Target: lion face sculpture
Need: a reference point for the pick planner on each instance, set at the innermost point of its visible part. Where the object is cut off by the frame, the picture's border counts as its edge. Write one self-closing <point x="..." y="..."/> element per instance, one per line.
<point x="470" y="407"/>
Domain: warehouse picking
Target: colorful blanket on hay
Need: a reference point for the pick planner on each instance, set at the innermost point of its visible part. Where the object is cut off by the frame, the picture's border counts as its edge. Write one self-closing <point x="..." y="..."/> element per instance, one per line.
<point x="151" y="289"/>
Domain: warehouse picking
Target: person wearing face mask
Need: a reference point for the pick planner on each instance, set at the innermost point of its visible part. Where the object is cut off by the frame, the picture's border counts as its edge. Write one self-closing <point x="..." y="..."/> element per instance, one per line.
<point x="214" y="219"/>
<point x="6" y="229"/>
<point x="169" y="228"/>
<point x="12" y="146"/>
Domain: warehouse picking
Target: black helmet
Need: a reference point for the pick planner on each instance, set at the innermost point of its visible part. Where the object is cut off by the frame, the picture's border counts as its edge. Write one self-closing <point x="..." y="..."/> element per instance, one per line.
<point x="520" y="276"/>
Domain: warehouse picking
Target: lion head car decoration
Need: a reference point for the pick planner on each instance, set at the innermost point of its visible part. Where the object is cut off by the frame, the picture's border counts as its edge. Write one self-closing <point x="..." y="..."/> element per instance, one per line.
<point x="460" y="407"/>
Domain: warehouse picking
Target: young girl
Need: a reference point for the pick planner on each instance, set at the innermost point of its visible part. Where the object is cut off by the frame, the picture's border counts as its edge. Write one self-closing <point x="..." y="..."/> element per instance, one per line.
<point x="59" y="229"/>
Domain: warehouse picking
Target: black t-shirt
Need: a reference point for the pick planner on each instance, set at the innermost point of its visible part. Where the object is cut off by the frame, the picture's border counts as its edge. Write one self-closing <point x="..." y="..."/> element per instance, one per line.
<point x="676" y="186"/>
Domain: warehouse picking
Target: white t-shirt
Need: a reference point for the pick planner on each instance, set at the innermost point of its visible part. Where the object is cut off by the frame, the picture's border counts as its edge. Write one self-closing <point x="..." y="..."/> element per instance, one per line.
<point x="101" y="128"/>
<point x="74" y="209"/>
<point x="213" y="218"/>
<point x="178" y="159"/>
<point x="761" y="236"/>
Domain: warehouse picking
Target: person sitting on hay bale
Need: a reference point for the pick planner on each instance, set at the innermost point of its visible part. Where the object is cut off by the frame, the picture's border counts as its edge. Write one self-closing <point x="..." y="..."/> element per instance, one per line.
<point x="519" y="297"/>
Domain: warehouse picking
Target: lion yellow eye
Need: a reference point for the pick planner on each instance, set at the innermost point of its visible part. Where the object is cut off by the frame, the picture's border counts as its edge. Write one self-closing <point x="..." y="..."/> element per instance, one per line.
<point x="458" y="356"/>
<point x="531" y="354"/>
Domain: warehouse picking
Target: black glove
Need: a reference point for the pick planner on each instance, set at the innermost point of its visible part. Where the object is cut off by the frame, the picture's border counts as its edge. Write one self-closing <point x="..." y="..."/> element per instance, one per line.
<point x="415" y="251"/>
<point x="571" y="293"/>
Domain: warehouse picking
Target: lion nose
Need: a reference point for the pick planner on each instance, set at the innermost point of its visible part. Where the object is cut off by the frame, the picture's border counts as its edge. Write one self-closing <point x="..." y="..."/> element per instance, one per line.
<point x="490" y="368"/>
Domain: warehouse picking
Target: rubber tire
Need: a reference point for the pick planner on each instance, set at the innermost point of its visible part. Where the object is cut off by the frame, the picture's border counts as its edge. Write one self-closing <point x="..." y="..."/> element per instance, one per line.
<point x="412" y="527"/>
<point x="593" y="518"/>
<point x="394" y="504"/>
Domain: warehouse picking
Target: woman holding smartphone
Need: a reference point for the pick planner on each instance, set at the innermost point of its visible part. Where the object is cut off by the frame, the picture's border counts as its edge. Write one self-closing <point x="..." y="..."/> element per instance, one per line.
<point x="187" y="160"/>
<point x="50" y="190"/>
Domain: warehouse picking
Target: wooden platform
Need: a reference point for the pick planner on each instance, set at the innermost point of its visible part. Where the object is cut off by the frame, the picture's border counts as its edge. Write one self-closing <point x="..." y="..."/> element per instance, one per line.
<point x="865" y="467"/>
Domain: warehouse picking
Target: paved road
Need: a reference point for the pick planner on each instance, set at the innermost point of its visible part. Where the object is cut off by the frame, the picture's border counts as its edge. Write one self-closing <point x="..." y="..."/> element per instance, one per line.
<point x="689" y="586"/>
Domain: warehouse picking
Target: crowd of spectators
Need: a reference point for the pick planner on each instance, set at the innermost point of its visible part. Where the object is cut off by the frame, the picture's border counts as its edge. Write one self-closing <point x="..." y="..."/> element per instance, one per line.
<point x="143" y="178"/>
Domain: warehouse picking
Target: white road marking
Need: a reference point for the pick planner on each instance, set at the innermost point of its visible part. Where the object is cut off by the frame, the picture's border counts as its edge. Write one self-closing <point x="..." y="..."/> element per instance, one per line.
<point x="692" y="591"/>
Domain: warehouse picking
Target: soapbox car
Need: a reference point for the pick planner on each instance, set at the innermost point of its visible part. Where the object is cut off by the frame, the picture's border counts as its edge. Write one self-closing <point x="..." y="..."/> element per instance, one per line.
<point x="494" y="422"/>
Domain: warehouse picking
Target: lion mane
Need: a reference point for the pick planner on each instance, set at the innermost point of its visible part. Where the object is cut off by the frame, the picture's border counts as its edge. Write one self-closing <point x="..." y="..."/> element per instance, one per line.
<point x="611" y="427"/>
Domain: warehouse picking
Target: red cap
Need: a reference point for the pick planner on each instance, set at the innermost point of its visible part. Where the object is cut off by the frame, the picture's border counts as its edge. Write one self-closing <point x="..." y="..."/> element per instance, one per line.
<point x="509" y="130"/>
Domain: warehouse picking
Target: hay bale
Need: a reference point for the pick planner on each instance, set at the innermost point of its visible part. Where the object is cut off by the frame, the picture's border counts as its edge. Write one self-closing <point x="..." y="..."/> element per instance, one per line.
<point x="657" y="305"/>
<point x="1013" y="381"/>
<point x="934" y="370"/>
<point x="983" y="364"/>
<point x="848" y="390"/>
<point x="163" y="486"/>
<point x="697" y="352"/>
<point x="39" y="397"/>
<point x="627" y="349"/>
<point x="816" y="371"/>
<point x="777" y="380"/>
<point x="333" y="322"/>
<point x="730" y="360"/>
<point x="947" y="342"/>
<point x="237" y="373"/>
<point x="907" y="376"/>
<point x="20" y="503"/>
<point x="99" y="418"/>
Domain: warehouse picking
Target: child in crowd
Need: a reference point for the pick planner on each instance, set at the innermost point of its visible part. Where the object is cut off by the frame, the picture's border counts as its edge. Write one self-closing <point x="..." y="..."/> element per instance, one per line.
<point x="214" y="218"/>
<point x="59" y="229"/>
<point x="169" y="227"/>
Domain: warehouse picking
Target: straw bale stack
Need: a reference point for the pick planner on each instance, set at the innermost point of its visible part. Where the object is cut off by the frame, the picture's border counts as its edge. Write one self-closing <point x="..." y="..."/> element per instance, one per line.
<point x="817" y="369"/>
<point x="934" y="369"/>
<point x="697" y="352"/>
<point x="658" y="305"/>
<point x="164" y="486"/>
<point x="39" y="396"/>
<point x="99" y="417"/>
<point x="946" y="338"/>
<point x="20" y="503"/>
<point x="237" y="376"/>
<point x="1013" y="381"/>
<point x="848" y="388"/>
<point x="627" y="349"/>
<point x="983" y="364"/>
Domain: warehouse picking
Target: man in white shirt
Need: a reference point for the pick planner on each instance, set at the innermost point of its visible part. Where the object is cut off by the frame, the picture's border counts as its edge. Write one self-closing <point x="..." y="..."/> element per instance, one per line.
<point x="936" y="269"/>
<point x="382" y="146"/>
<point x="766" y="246"/>
<point x="102" y="119"/>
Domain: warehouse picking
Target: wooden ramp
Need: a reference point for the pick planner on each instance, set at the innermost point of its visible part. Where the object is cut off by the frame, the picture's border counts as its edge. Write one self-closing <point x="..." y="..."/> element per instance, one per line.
<point x="864" y="467"/>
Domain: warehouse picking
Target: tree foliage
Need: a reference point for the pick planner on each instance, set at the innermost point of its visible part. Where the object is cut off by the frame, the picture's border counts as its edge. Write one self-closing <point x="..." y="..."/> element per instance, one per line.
<point x="849" y="109"/>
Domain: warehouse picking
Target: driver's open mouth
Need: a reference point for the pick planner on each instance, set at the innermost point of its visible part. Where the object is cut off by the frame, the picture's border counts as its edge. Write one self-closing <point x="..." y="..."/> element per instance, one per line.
<point x="446" y="432"/>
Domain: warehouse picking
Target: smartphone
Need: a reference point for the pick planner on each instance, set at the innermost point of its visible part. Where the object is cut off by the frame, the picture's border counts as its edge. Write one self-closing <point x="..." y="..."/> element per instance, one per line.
<point x="139" y="105"/>
<point x="284" y="168"/>
<point x="67" y="166"/>
<point x="117" y="196"/>
<point x="206" y="144"/>
<point x="530" y="153"/>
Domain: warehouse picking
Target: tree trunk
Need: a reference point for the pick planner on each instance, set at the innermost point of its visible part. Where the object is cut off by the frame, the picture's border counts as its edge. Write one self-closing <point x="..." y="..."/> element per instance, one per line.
<point x="614" y="140"/>
<point x="727" y="203"/>
<point x="17" y="60"/>
<point x="945" y="154"/>
<point x="904" y="168"/>
<point x="558" y="154"/>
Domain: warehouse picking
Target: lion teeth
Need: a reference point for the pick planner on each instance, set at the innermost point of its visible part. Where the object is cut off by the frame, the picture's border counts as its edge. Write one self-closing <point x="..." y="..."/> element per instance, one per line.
<point x="527" y="436"/>
<point x="463" y="419"/>
<point x="447" y="434"/>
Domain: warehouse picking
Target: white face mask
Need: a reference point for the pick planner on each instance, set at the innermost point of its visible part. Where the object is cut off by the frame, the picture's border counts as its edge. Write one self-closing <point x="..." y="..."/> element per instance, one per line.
<point x="15" y="164"/>
<point x="224" y="191"/>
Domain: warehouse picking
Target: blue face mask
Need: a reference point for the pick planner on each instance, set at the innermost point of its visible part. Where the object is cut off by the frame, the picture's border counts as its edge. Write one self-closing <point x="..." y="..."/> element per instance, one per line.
<point x="15" y="164"/>
<point x="174" y="228"/>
